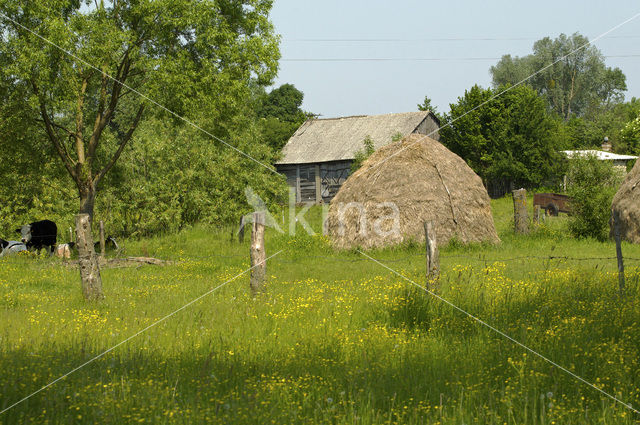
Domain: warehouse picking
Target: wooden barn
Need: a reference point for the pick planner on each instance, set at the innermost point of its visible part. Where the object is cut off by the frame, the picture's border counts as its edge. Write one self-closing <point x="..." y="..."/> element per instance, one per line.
<point x="317" y="158"/>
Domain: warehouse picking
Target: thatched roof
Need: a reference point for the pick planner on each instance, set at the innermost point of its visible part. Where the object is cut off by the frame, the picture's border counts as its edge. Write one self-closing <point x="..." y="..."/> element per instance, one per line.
<point x="423" y="181"/>
<point x="627" y="204"/>
<point x="334" y="139"/>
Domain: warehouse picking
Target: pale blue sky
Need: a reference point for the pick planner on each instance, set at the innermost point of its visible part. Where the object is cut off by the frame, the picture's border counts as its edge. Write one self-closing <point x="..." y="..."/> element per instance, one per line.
<point x="415" y="29"/>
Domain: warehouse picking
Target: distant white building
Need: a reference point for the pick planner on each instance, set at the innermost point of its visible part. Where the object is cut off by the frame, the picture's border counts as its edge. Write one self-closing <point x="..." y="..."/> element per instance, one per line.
<point x="619" y="161"/>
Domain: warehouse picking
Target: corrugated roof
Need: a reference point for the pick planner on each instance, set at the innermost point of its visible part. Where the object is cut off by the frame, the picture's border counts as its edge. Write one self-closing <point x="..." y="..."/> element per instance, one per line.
<point x="601" y="155"/>
<point x="333" y="139"/>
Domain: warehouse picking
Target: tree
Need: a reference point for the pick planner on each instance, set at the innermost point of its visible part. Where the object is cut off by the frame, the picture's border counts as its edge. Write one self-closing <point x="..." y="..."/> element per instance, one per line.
<point x="281" y="114"/>
<point x="174" y="51"/>
<point x="427" y="106"/>
<point x="630" y="135"/>
<point x="510" y="140"/>
<point x="82" y="85"/>
<point x="589" y="131"/>
<point x="577" y="83"/>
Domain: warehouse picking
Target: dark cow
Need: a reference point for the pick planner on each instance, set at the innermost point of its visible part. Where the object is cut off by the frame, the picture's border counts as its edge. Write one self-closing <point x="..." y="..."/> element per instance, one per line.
<point x="39" y="234"/>
<point x="10" y="247"/>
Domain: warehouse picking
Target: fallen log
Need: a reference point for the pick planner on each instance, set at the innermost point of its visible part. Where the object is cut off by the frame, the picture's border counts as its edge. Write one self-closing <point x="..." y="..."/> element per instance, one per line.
<point x="126" y="262"/>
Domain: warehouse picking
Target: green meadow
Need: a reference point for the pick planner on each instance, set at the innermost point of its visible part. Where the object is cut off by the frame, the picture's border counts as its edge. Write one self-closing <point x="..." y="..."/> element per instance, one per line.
<point x="334" y="338"/>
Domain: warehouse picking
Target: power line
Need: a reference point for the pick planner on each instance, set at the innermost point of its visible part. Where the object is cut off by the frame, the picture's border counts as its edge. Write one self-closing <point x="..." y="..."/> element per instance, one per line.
<point x="439" y="39"/>
<point x="416" y="59"/>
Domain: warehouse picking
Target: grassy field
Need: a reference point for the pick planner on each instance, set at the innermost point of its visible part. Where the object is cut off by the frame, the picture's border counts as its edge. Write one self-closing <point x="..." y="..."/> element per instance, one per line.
<point x="335" y="338"/>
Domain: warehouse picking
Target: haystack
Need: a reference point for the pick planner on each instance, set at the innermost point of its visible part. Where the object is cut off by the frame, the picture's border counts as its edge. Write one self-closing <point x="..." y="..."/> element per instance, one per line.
<point x="404" y="184"/>
<point x="626" y="204"/>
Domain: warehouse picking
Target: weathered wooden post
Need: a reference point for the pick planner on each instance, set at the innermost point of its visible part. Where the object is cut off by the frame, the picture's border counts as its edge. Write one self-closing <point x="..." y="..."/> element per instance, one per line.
<point x="87" y="260"/>
<point x="520" y="216"/>
<point x="258" y="253"/>
<point x="102" y="244"/>
<point x="433" y="256"/>
<point x="618" y="238"/>
<point x="536" y="214"/>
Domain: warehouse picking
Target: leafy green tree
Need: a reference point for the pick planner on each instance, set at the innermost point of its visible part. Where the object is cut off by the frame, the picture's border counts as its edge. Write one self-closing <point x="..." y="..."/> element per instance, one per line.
<point x="577" y="83"/>
<point x="186" y="54"/>
<point x="592" y="185"/>
<point x="589" y="131"/>
<point x="630" y="135"/>
<point x="510" y="139"/>
<point x="281" y="114"/>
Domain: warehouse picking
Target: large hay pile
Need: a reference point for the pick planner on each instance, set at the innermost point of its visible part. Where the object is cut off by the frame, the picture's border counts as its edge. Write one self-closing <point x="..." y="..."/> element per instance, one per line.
<point x="627" y="204"/>
<point x="404" y="184"/>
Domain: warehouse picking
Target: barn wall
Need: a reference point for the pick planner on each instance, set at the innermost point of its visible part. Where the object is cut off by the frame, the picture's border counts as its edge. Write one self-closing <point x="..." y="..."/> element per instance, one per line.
<point x="307" y="183"/>
<point x="332" y="176"/>
<point x="427" y="126"/>
<point x="304" y="179"/>
<point x="290" y="173"/>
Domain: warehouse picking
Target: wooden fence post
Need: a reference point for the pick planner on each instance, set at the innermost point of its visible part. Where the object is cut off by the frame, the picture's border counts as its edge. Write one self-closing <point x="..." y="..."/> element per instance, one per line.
<point x="87" y="260"/>
<point x="520" y="216"/>
<point x="258" y="253"/>
<point x="241" y="230"/>
<point x="536" y="214"/>
<point x="102" y="244"/>
<point x="433" y="256"/>
<point x="617" y="236"/>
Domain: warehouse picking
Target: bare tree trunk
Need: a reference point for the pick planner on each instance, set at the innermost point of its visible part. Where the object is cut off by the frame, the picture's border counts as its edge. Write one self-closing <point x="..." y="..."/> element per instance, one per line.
<point x="87" y="260"/>
<point x="87" y="199"/>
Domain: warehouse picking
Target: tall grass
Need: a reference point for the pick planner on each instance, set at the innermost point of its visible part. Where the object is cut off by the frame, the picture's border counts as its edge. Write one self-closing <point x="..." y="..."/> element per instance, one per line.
<point x="335" y="338"/>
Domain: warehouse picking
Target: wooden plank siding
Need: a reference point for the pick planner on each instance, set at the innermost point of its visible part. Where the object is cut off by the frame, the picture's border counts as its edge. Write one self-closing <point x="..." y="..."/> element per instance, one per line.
<point x="315" y="182"/>
<point x="332" y="176"/>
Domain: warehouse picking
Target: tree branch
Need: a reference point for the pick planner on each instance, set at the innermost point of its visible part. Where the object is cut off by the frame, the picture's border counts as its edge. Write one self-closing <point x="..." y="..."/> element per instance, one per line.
<point x="61" y="127"/>
<point x="121" y="147"/>
<point x="103" y="116"/>
<point x="69" y="164"/>
<point x="80" y="121"/>
<point x="95" y="134"/>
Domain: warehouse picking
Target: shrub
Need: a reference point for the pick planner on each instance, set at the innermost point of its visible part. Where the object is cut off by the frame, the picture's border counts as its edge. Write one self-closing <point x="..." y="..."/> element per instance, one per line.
<point x="592" y="184"/>
<point x="360" y="156"/>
